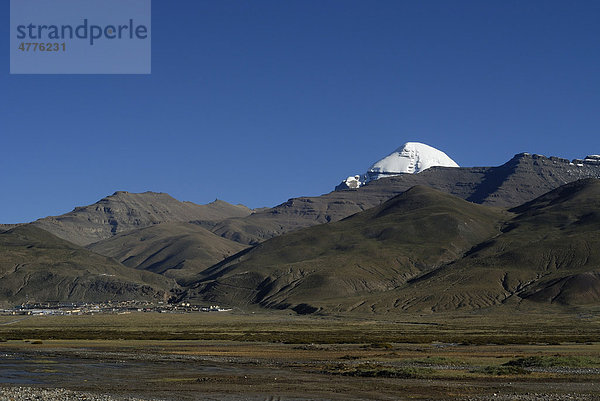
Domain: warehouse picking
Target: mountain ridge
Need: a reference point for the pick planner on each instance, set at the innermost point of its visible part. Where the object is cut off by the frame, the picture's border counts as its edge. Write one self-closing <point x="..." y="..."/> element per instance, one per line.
<point x="124" y="211"/>
<point x="375" y="250"/>
<point x="521" y="179"/>
<point x="549" y="209"/>
<point x="546" y="251"/>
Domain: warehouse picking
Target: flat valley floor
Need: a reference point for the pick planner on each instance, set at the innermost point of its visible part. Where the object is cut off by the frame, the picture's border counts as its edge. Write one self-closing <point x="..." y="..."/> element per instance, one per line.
<point x="280" y="356"/>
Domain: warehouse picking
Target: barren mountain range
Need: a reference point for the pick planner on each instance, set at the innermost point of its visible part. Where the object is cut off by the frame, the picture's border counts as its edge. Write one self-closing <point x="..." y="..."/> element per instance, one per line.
<point x="38" y="266"/>
<point x="124" y="211"/>
<point x="425" y="250"/>
<point x="521" y="179"/>
<point x="475" y="237"/>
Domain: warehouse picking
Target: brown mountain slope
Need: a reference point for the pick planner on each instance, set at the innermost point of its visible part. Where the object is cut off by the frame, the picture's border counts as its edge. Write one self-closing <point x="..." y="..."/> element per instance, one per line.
<point x="124" y="211"/>
<point x="549" y="254"/>
<point x="520" y="180"/>
<point x="426" y="251"/>
<point x="38" y="266"/>
<point x="176" y="250"/>
<point x="373" y="251"/>
<point x="576" y="289"/>
<point x="6" y="227"/>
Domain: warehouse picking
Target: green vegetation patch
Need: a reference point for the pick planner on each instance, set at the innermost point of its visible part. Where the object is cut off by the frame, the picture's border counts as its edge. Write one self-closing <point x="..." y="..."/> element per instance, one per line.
<point x="436" y="360"/>
<point x="554" y="361"/>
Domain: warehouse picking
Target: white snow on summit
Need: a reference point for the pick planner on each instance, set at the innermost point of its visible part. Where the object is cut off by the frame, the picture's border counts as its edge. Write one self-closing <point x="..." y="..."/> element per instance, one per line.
<point x="410" y="158"/>
<point x="353" y="182"/>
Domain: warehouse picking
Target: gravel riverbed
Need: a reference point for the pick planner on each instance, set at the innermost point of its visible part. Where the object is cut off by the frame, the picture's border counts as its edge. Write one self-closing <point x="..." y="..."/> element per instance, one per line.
<point x="58" y="394"/>
<point x="534" y="397"/>
<point x="40" y="394"/>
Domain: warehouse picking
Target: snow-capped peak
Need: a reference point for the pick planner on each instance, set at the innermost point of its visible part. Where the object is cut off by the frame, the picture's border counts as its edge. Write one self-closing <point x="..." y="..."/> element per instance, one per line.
<point x="410" y="158"/>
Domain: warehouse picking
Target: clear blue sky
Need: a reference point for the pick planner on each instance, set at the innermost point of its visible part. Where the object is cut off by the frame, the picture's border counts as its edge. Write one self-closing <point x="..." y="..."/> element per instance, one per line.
<point x="255" y="102"/>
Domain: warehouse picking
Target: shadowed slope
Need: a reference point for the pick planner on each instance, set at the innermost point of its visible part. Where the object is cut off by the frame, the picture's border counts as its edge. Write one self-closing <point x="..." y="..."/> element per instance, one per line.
<point x="176" y="250"/>
<point x="426" y="251"/>
<point x="549" y="253"/>
<point x="38" y="266"/>
<point x="577" y="289"/>
<point x="373" y="251"/>
<point x="519" y="180"/>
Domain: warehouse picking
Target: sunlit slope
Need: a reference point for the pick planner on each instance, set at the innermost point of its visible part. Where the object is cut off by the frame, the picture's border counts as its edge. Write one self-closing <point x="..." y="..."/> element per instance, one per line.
<point x="371" y="252"/>
<point x="549" y="254"/>
<point x="38" y="266"/>
<point x="125" y="211"/>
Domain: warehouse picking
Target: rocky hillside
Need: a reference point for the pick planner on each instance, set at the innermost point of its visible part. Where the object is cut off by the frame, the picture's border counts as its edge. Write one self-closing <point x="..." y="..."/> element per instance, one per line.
<point x="549" y="254"/>
<point x="124" y="211"/>
<point x="443" y="238"/>
<point x="520" y="180"/>
<point x="38" y="266"/>
<point x="372" y="251"/>
<point x="429" y="251"/>
<point x="177" y="250"/>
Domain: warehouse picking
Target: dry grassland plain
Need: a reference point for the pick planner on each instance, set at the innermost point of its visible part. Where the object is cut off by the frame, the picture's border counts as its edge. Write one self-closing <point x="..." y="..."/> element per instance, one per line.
<point x="230" y="356"/>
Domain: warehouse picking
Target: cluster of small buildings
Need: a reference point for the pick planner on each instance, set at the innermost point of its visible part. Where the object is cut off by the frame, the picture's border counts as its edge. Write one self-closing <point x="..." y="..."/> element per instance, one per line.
<point x="124" y="307"/>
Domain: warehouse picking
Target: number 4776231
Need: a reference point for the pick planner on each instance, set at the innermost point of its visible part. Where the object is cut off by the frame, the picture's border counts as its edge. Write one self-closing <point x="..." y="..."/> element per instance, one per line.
<point x="43" y="47"/>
